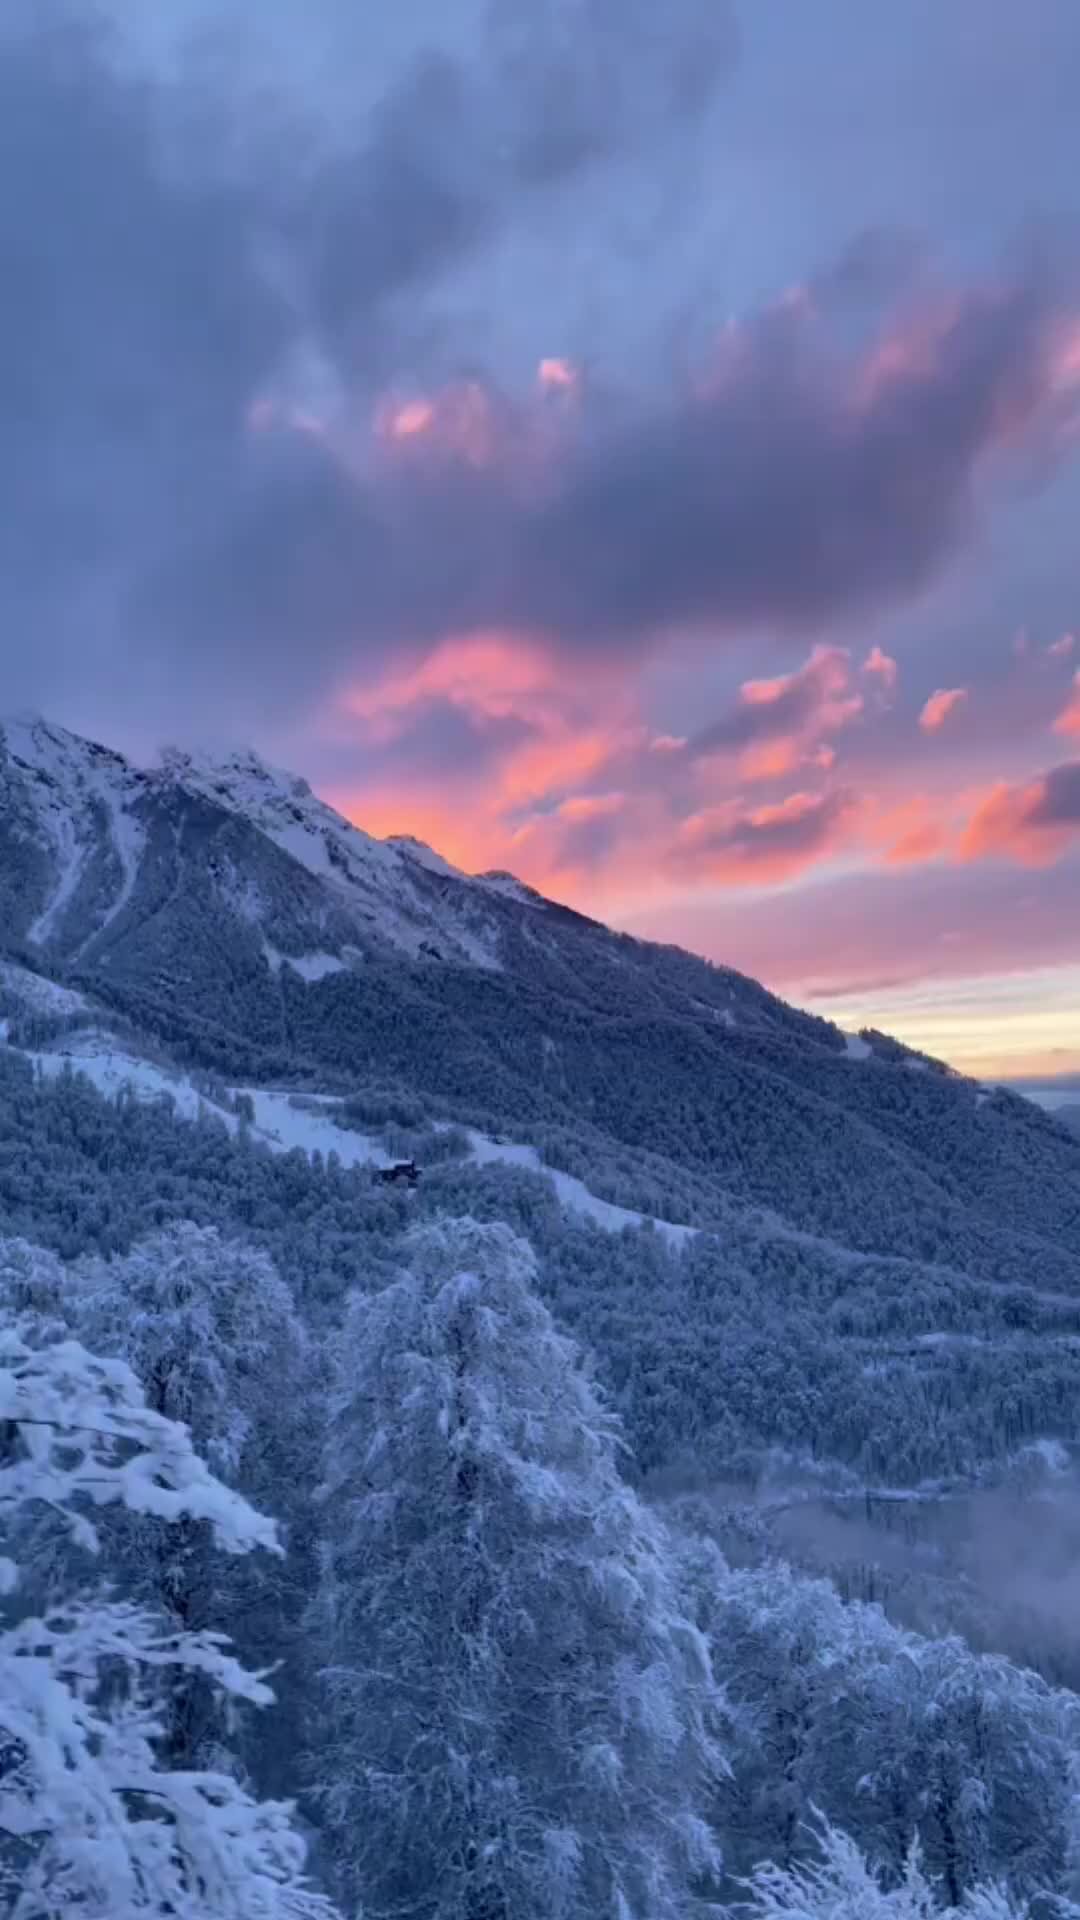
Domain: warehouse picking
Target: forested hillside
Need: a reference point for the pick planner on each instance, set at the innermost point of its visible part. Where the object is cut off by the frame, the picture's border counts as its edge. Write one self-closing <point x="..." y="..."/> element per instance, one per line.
<point x="680" y="1479"/>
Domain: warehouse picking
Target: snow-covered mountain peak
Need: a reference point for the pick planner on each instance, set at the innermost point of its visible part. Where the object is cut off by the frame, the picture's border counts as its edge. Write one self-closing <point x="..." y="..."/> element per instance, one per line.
<point x="283" y="806"/>
<point x="57" y="755"/>
<point x="74" y="799"/>
<point x="241" y="772"/>
<point x="387" y="881"/>
<point x="425" y="856"/>
<point x="92" y="816"/>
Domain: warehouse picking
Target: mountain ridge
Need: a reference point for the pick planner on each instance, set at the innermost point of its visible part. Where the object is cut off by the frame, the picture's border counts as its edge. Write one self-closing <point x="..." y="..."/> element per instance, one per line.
<point x="223" y="908"/>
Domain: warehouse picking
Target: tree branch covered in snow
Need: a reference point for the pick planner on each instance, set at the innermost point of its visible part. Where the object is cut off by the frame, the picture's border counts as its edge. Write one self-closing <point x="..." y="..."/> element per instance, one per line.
<point x="90" y="1820"/>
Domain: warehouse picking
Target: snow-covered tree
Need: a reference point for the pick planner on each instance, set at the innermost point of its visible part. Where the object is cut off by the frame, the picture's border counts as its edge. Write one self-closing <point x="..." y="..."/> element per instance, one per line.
<point x="842" y="1886"/>
<point x="517" y="1720"/>
<point x="895" y="1737"/>
<point x="92" y="1820"/>
<point x="211" y="1332"/>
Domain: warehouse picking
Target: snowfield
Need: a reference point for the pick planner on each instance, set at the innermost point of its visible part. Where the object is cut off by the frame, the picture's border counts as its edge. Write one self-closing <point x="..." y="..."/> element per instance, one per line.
<point x="286" y="1121"/>
<point x="573" y="1194"/>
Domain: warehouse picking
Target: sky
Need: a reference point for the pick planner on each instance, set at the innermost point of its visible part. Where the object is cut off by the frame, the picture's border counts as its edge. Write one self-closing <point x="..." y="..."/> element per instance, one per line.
<point x="632" y="446"/>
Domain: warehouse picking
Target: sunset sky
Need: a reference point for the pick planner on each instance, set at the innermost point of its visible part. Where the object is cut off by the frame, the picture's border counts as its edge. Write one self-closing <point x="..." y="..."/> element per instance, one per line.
<point x="631" y="442"/>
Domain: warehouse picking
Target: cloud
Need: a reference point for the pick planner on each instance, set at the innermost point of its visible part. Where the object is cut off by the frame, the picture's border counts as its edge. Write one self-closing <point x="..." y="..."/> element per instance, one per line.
<point x="770" y="843"/>
<point x="1034" y="823"/>
<point x="456" y="144"/>
<point x="790" y="711"/>
<point x="796" y="489"/>
<point x="256" y="472"/>
<point x="582" y="835"/>
<point x="883" y="667"/>
<point x="911" y="834"/>
<point x="865" y="933"/>
<point x="939" y="706"/>
<point x="1068" y="720"/>
<point x="1060" y="649"/>
<point x="184" y="244"/>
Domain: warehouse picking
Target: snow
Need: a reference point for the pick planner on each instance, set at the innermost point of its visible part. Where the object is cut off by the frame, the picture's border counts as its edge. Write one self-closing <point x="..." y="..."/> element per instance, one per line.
<point x="1052" y="1453"/>
<point x="285" y="1121"/>
<point x="510" y="887"/>
<point x="378" y="876"/>
<point x="857" y="1047"/>
<point x="74" y="779"/>
<point x="285" y="1126"/>
<point x="424" y="855"/>
<point x="317" y="966"/>
<point x="68" y="858"/>
<point x="573" y="1194"/>
<point x="73" y="783"/>
<point x="128" y="841"/>
<point x="37" y="993"/>
<point x="111" y="1071"/>
<point x="310" y="966"/>
<point x="279" y="1123"/>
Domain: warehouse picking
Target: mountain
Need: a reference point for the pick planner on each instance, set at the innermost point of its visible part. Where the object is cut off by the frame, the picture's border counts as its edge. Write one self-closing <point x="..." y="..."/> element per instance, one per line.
<point x="95" y="853"/>
<point x="866" y="1276"/>
<point x="227" y="910"/>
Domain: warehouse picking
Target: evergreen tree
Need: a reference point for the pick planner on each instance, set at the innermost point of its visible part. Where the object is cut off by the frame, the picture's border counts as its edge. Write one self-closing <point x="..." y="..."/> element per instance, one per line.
<point x="94" y="1820"/>
<point x="210" y="1330"/>
<point x="517" y="1721"/>
<point x="841" y="1885"/>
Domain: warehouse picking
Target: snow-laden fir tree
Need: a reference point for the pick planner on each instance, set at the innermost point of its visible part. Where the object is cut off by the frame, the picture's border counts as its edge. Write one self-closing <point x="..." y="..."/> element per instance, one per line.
<point x="896" y="1738"/>
<point x="94" y="1821"/>
<point x="210" y="1330"/>
<point x="517" y="1721"/>
<point x="842" y="1885"/>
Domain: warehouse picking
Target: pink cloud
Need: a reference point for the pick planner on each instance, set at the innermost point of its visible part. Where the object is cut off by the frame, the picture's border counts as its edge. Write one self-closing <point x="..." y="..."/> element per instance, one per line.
<point x="1034" y="823"/>
<point x="1068" y="721"/>
<point x="784" y="722"/>
<point x="869" y="933"/>
<point x="939" y="706"/>
<point x="1060" y="649"/>
<point x="769" y="844"/>
<point x="883" y="667"/>
<point x="910" y="834"/>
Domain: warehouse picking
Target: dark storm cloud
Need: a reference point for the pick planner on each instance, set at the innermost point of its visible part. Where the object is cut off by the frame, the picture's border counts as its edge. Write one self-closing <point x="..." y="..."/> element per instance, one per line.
<point x="458" y="147"/>
<point x="166" y="246"/>
<point x="167" y="250"/>
<point x="1057" y="803"/>
<point x="783" y="498"/>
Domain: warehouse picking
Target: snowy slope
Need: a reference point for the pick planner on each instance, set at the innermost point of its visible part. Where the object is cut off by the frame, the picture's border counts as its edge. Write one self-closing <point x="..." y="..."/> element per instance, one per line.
<point x="389" y="881"/>
<point x="76" y="799"/>
<point x="37" y="994"/>
<point x="574" y="1195"/>
<point x="77" y="819"/>
<point x="280" y="1123"/>
<point x="286" y="1121"/>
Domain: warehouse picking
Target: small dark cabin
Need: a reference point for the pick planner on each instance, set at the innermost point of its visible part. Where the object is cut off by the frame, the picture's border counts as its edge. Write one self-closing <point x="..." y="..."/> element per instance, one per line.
<point x="406" y="1170"/>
